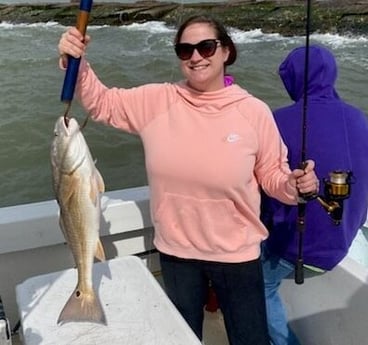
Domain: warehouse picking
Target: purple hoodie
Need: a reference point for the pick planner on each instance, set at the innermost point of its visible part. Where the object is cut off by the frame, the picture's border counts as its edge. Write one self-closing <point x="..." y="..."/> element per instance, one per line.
<point x="336" y="139"/>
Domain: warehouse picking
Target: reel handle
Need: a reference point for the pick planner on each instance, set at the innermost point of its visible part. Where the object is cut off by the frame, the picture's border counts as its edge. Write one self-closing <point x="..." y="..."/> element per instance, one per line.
<point x="71" y="73"/>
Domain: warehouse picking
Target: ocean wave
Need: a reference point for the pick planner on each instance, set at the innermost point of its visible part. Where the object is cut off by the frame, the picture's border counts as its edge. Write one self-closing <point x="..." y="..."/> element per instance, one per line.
<point x="333" y="40"/>
<point x="253" y="36"/>
<point x="239" y="36"/>
<point x="337" y="41"/>
<point x="8" y="25"/>
<point x="151" y="27"/>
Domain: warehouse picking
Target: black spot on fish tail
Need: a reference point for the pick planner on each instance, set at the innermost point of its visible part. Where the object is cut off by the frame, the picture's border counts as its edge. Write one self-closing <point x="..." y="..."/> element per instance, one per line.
<point x="82" y="306"/>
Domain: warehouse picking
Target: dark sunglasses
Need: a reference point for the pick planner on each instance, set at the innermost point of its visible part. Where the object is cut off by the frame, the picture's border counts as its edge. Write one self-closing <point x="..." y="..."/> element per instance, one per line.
<point x="205" y="48"/>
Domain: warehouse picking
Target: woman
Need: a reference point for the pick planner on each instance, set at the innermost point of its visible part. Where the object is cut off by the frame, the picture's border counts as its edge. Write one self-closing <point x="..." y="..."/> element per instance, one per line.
<point x="208" y="150"/>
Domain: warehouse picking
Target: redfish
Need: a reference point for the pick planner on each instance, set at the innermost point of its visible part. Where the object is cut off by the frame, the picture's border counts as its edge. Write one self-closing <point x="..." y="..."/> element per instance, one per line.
<point x="77" y="186"/>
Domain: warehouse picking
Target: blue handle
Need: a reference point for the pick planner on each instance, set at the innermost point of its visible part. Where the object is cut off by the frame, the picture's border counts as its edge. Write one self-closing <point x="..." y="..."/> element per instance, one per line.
<point x="85" y="5"/>
<point x="71" y="74"/>
<point x="70" y="79"/>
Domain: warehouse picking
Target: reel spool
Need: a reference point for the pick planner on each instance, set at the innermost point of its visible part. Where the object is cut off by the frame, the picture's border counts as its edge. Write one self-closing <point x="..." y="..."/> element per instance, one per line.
<point x="336" y="189"/>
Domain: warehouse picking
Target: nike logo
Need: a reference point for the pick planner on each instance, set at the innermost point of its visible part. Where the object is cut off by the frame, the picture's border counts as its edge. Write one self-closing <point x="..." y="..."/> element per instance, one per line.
<point x="233" y="137"/>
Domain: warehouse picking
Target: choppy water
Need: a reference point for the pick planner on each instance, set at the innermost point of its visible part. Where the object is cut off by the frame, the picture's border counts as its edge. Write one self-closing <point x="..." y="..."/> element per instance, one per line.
<point x="31" y="82"/>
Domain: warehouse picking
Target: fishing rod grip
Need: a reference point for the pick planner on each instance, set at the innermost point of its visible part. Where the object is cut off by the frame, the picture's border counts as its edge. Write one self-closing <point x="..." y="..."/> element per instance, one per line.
<point x="71" y="73"/>
<point x="299" y="269"/>
<point x="306" y="196"/>
<point x="299" y="272"/>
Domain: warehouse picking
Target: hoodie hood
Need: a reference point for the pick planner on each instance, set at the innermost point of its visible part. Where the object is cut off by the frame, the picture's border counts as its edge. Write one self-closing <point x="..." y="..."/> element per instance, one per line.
<point x="321" y="77"/>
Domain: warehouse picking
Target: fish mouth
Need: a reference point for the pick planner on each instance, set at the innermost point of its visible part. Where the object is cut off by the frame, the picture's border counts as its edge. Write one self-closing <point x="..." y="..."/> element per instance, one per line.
<point x="65" y="126"/>
<point x="66" y="120"/>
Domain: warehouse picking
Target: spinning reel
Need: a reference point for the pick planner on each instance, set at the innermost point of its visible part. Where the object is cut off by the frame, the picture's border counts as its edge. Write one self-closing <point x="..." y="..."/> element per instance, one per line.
<point x="336" y="190"/>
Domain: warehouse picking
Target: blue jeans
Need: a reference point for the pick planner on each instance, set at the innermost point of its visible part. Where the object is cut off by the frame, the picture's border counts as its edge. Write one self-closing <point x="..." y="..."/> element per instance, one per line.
<point x="239" y="289"/>
<point x="275" y="270"/>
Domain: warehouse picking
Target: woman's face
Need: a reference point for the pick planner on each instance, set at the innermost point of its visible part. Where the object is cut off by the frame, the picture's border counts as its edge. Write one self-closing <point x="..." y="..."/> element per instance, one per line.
<point x="203" y="73"/>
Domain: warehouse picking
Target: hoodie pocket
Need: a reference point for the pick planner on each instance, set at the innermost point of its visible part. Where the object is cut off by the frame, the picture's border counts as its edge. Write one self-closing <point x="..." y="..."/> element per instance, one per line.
<point x="207" y="224"/>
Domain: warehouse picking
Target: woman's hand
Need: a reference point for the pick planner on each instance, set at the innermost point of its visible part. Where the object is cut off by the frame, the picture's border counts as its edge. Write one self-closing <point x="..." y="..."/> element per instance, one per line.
<point x="305" y="180"/>
<point x="72" y="43"/>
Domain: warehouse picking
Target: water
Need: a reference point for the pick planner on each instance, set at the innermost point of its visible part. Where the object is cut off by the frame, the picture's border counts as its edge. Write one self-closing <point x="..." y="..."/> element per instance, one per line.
<point x="31" y="82"/>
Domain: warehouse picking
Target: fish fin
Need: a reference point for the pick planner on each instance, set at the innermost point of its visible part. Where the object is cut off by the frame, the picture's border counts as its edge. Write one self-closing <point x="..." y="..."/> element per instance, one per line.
<point x="97" y="186"/>
<point x="100" y="252"/>
<point x="82" y="306"/>
<point x="62" y="226"/>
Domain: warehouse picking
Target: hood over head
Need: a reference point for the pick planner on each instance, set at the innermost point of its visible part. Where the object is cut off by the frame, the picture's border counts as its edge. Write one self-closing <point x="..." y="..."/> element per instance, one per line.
<point x="322" y="73"/>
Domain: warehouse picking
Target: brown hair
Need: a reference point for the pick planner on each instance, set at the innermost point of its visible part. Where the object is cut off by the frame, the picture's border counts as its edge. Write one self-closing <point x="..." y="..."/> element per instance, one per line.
<point x="220" y="30"/>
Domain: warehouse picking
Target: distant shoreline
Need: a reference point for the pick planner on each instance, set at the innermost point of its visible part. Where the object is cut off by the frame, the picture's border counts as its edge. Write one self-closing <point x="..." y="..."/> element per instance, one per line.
<point x="284" y="17"/>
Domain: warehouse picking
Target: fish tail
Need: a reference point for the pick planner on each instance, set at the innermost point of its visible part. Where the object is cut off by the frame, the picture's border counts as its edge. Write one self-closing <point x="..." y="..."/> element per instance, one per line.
<point x="82" y="306"/>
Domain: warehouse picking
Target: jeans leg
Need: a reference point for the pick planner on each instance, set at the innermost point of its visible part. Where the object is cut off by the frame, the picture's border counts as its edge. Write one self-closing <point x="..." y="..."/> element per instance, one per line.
<point x="275" y="270"/>
<point x="186" y="286"/>
<point x="240" y="292"/>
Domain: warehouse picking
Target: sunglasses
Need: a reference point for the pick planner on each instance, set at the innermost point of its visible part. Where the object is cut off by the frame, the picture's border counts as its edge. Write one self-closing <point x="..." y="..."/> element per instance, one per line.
<point x="205" y="48"/>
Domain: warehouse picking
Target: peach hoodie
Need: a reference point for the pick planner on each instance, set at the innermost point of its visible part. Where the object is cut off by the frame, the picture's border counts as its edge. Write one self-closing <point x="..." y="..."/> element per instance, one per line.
<point x="206" y="155"/>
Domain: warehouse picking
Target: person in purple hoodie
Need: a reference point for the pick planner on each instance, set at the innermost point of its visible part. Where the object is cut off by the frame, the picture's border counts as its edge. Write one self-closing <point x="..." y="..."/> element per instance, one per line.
<point x="336" y="138"/>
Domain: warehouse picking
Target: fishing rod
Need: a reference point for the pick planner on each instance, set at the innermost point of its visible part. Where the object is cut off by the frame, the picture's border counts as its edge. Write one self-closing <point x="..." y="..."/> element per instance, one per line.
<point x="71" y="73"/>
<point x="337" y="187"/>
<point x="303" y="198"/>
